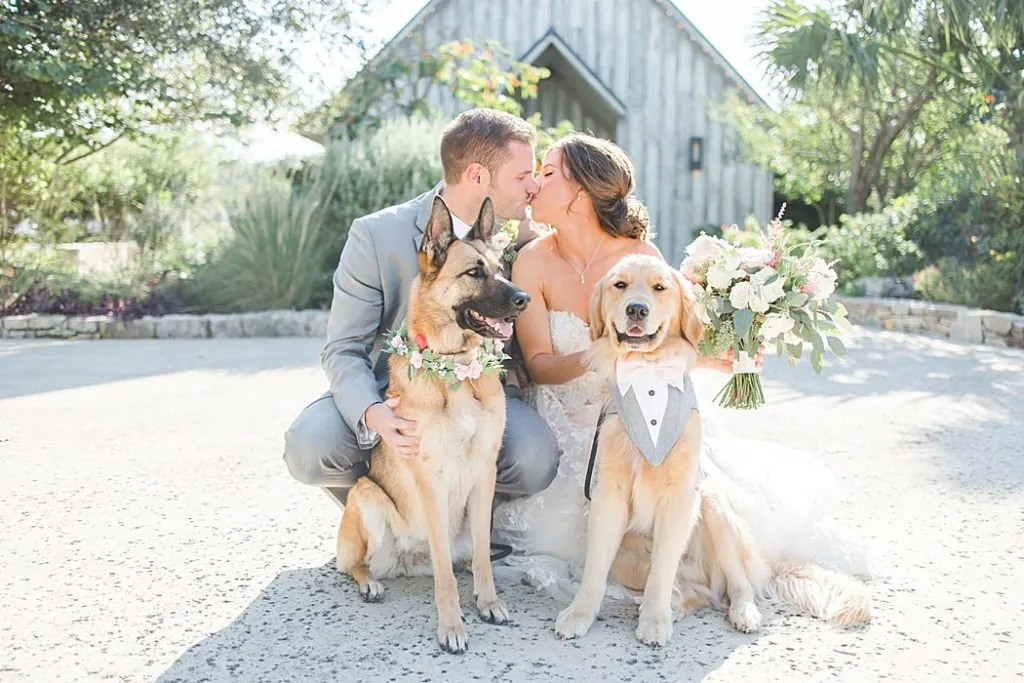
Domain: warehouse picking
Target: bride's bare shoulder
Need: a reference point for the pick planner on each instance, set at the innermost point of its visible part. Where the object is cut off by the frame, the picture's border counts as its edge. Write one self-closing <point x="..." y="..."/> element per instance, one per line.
<point x="647" y="248"/>
<point x="538" y="248"/>
<point x="534" y="255"/>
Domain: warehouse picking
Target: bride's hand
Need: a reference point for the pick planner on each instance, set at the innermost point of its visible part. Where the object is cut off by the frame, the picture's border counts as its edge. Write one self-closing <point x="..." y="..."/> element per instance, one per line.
<point x="724" y="362"/>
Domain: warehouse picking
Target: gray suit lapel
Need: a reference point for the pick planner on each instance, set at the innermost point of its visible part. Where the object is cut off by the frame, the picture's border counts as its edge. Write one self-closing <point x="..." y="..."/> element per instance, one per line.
<point x="632" y="419"/>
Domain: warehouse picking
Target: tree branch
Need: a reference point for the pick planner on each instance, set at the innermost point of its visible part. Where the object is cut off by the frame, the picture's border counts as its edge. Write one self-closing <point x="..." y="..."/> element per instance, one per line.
<point x="83" y="155"/>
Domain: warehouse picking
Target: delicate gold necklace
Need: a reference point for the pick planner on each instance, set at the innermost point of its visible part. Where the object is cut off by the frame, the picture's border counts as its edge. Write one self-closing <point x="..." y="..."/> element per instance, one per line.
<point x="579" y="272"/>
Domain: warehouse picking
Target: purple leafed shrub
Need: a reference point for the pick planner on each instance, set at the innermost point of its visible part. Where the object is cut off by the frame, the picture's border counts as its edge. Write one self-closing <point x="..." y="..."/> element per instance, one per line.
<point x="42" y="299"/>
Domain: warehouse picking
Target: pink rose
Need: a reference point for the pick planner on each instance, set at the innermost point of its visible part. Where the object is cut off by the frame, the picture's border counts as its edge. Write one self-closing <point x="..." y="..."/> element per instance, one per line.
<point x="416" y="360"/>
<point x="470" y="371"/>
<point x="689" y="270"/>
<point x="703" y="249"/>
<point x="751" y="256"/>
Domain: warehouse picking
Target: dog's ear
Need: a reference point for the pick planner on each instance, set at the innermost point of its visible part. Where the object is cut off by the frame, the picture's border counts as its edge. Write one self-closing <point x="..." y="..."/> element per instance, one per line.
<point x="690" y="327"/>
<point x="597" y="311"/>
<point x="438" y="235"/>
<point x="483" y="228"/>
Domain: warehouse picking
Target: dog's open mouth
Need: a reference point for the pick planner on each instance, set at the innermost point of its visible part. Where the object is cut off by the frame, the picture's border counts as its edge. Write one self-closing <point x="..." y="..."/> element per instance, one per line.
<point x="635" y="334"/>
<point x="489" y="327"/>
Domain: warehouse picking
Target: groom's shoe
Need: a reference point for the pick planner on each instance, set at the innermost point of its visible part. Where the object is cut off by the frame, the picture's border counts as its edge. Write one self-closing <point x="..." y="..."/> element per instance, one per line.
<point x="338" y="496"/>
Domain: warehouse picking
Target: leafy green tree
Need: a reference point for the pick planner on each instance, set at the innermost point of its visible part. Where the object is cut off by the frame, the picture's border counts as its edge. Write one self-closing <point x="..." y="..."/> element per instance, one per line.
<point x="976" y="44"/>
<point x="84" y="73"/>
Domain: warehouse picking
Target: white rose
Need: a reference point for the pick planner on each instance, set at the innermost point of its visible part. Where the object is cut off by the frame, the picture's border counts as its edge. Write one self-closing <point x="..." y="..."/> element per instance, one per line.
<point x="762" y="275"/>
<point x="741" y="295"/>
<point x="775" y="325"/>
<point x="821" y="281"/>
<point x="759" y="302"/>
<point x="775" y="290"/>
<point x="501" y="241"/>
<point x="721" y="274"/>
<point x="702" y="313"/>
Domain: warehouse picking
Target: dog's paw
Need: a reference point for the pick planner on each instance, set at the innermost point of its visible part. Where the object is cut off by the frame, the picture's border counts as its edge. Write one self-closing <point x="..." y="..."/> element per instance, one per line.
<point x="572" y="623"/>
<point x="453" y="638"/>
<point x="745" y="617"/>
<point x="373" y="591"/>
<point x="493" y="612"/>
<point x="654" y="629"/>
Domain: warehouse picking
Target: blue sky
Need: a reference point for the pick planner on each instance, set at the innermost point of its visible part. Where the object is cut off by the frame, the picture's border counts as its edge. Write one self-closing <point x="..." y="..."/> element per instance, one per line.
<point x="729" y="24"/>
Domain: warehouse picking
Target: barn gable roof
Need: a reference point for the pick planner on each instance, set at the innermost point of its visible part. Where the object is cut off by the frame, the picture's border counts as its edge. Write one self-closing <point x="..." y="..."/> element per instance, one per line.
<point x="552" y="48"/>
<point x="671" y="9"/>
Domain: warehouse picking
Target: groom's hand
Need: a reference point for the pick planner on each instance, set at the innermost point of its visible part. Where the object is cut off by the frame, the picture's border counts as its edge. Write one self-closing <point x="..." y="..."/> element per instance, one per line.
<point x="395" y="431"/>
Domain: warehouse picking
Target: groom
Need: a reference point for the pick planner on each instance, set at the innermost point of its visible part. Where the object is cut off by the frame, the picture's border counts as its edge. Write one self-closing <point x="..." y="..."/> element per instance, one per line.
<point x="483" y="153"/>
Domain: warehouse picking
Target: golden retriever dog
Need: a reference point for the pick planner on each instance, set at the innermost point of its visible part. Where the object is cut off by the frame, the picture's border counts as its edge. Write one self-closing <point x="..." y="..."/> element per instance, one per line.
<point x="641" y="312"/>
<point x="407" y="508"/>
<point x="657" y="510"/>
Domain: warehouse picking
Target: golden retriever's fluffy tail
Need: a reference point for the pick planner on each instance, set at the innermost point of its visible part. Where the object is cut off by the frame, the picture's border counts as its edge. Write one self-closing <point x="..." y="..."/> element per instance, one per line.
<point x="827" y="595"/>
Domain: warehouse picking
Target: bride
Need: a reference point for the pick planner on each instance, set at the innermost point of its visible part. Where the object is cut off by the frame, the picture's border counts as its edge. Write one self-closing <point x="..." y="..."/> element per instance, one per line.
<point x="585" y="197"/>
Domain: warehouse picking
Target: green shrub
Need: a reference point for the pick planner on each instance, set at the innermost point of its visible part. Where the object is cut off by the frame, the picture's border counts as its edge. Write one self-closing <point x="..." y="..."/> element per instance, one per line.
<point x="277" y="239"/>
<point x="288" y="232"/>
<point x="989" y="285"/>
<point x="872" y="244"/>
<point x="973" y="231"/>
<point x="396" y="163"/>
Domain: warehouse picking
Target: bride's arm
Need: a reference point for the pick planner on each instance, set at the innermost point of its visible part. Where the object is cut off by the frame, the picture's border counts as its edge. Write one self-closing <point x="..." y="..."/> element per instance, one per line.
<point x="532" y="328"/>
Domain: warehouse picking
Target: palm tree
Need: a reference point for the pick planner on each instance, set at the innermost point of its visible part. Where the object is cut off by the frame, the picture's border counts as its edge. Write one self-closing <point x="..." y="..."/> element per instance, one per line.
<point x="975" y="44"/>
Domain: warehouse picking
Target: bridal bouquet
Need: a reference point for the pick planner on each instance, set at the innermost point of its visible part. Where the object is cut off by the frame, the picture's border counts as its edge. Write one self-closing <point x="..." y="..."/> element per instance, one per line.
<point x="749" y="297"/>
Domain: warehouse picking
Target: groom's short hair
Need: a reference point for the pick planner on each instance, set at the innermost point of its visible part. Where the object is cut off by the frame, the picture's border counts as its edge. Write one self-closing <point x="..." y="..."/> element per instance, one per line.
<point x="482" y="136"/>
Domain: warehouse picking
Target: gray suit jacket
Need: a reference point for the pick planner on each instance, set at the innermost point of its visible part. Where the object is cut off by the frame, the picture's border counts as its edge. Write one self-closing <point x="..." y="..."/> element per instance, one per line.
<point x="371" y="292"/>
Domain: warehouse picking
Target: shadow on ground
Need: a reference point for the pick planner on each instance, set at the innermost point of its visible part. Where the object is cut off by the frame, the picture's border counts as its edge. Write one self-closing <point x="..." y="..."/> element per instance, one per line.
<point x="958" y="401"/>
<point x="309" y="625"/>
<point x="40" y="366"/>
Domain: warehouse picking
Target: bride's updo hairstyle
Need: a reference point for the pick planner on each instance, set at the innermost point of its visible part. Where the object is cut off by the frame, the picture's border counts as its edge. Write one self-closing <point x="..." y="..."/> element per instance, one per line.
<point x="605" y="172"/>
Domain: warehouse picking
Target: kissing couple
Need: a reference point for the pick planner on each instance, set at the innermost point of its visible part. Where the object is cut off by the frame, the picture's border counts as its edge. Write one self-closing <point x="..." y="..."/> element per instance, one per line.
<point x="583" y="220"/>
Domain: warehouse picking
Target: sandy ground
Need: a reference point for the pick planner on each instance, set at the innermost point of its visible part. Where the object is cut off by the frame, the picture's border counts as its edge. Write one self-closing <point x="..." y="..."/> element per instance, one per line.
<point x="151" y="532"/>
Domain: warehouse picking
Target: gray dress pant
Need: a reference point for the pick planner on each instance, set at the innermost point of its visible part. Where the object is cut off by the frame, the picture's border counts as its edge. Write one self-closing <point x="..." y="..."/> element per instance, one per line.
<point x="321" y="450"/>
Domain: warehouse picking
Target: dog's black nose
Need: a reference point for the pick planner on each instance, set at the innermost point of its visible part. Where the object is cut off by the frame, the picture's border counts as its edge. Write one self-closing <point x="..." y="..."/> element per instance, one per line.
<point x="637" y="311"/>
<point x="520" y="299"/>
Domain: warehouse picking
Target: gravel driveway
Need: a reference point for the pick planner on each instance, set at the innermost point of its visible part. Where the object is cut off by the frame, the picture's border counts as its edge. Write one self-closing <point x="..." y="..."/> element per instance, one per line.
<point x="151" y="532"/>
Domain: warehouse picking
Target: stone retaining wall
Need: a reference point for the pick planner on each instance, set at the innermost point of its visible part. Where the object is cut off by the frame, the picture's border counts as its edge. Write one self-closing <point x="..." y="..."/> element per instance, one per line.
<point x="947" y="320"/>
<point x="955" y="322"/>
<point x="262" y="324"/>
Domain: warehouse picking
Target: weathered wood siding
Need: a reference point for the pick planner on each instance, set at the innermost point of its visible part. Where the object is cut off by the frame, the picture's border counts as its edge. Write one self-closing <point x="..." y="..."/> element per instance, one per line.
<point x="667" y="78"/>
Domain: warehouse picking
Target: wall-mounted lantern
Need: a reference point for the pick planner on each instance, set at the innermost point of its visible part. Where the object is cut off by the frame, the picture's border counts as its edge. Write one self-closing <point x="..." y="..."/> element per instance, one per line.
<point x="696" y="153"/>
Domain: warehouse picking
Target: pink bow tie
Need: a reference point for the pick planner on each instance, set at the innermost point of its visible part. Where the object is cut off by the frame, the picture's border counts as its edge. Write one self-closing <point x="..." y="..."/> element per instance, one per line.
<point x="670" y="371"/>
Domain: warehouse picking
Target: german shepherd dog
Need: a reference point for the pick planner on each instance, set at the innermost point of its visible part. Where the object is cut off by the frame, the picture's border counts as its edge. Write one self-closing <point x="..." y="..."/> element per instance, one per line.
<point x="407" y="507"/>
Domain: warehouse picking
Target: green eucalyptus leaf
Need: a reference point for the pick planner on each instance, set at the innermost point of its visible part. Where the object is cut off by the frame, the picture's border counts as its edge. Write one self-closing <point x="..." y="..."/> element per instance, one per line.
<point x="742" y="320"/>
<point x="837" y="346"/>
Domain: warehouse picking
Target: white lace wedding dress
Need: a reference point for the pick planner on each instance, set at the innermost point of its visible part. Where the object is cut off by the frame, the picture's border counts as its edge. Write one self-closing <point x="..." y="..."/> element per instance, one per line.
<point x="782" y="494"/>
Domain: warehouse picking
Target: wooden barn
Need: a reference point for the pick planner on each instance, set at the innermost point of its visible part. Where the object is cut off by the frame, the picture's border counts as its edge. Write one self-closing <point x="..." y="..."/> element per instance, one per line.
<point x="634" y="71"/>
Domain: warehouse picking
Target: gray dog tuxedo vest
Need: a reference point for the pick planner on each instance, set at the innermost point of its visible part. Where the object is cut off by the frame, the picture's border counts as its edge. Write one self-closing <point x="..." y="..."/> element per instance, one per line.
<point x="653" y="404"/>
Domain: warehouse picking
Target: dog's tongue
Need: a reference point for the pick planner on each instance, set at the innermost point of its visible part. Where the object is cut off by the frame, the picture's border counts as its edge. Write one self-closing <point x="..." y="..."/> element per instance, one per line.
<point x="635" y="331"/>
<point x="501" y="326"/>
